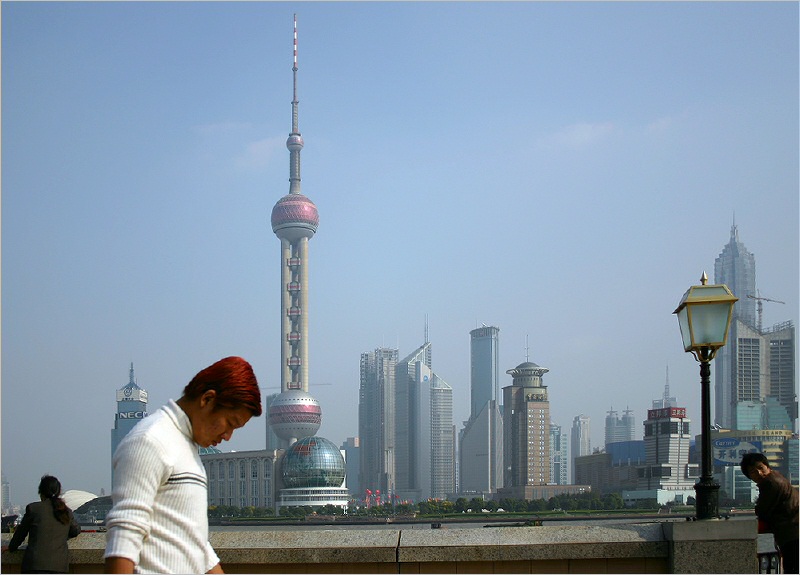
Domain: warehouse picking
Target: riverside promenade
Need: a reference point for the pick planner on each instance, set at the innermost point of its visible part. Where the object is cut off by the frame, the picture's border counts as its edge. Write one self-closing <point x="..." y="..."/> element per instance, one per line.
<point x="669" y="546"/>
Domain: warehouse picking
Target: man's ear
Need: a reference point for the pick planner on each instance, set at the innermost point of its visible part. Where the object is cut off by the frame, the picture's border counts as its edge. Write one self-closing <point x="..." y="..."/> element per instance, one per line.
<point x="208" y="398"/>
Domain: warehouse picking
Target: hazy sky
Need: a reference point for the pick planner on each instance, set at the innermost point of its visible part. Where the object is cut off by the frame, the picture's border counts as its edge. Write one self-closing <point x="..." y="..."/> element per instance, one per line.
<point x="564" y="171"/>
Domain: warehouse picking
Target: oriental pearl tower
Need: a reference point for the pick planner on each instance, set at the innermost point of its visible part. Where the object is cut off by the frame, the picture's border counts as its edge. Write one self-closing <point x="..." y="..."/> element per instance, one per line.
<point x="294" y="414"/>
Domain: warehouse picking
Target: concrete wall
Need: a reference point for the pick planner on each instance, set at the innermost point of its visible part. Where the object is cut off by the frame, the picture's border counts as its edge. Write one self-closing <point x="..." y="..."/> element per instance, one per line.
<point x="664" y="547"/>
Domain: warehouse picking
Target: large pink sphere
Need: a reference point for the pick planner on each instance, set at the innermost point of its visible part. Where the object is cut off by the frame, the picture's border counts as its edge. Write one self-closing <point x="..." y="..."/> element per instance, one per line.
<point x="294" y="217"/>
<point x="294" y="414"/>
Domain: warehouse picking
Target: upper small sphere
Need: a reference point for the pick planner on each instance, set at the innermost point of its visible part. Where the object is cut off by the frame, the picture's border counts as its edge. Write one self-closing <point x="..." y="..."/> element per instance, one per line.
<point x="294" y="216"/>
<point x="294" y="142"/>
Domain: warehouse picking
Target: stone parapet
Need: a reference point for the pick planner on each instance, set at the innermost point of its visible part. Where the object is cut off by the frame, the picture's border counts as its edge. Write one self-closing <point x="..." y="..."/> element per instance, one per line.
<point x="658" y="547"/>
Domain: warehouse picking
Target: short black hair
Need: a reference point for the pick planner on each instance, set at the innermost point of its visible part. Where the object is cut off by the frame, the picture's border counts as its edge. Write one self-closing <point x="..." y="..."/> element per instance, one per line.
<point x="749" y="461"/>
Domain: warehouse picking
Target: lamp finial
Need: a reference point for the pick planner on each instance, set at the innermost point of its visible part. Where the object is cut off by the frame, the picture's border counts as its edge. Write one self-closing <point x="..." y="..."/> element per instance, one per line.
<point x="704" y="278"/>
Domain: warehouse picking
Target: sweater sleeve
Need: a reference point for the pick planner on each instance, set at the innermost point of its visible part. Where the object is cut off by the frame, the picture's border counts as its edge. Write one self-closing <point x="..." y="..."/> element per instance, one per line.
<point x="140" y="468"/>
<point x="211" y="557"/>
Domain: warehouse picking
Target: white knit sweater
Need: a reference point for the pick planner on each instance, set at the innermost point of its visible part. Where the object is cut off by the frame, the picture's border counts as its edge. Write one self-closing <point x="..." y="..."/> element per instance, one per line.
<point x="159" y="516"/>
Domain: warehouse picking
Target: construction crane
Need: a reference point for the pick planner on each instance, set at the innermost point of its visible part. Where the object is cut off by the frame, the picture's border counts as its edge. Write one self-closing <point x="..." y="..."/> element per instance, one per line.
<point x="760" y="305"/>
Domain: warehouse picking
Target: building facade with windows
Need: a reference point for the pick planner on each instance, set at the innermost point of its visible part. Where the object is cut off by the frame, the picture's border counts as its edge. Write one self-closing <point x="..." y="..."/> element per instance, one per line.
<point x="480" y="441"/>
<point x="484" y="348"/>
<point x="526" y="428"/>
<point x="480" y="453"/>
<point x="376" y="420"/>
<point x="410" y="423"/>
<point x="241" y="478"/>
<point x="620" y="428"/>
<point x="559" y="455"/>
<point x="435" y="442"/>
<point x="580" y="442"/>
<point x="667" y="476"/>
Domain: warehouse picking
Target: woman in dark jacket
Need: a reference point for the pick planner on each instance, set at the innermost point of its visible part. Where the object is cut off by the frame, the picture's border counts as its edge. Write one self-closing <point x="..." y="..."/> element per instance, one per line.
<point x="47" y="524"/>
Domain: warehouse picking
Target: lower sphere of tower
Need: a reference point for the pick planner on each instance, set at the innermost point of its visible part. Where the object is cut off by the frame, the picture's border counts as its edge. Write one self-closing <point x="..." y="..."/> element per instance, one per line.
<point x="313" y="462"/>
<point x="295" y="414"/>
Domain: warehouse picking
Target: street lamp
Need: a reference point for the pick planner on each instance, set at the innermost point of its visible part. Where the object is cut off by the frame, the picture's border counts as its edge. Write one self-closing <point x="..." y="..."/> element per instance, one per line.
<point x="704" y="316"/>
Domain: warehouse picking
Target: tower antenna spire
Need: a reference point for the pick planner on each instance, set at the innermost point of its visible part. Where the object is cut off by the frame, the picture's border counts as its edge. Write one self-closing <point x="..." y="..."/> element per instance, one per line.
<point x="295" y="141"/>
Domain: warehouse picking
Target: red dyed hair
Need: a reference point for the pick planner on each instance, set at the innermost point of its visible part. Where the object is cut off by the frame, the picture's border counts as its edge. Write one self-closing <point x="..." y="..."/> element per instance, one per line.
<point x="234" y="382"/>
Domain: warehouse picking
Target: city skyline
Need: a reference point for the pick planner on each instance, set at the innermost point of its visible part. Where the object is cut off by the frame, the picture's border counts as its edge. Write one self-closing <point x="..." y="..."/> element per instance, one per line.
<point x="562" y="172"/>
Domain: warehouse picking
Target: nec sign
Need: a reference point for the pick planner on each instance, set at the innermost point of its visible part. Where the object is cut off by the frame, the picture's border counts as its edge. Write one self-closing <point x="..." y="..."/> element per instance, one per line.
<point x="132" y="415"/>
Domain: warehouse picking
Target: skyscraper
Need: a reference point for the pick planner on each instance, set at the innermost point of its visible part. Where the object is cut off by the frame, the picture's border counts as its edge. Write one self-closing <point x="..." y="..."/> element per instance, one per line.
<point x="294" y="414"/>
<point x="666" y="476"/>
<point x="409" y="421"/>
<point x="526" y="428"/>
<point x="376" y="420"/>
<point x="762" y="364"/>
<point x="352" y="457"/>
<point x="735" y="267"/>
<point x="131" y="409"/>
<point x="484" y="367"/>
<point x="619" y="428"/>
<point x="756" y="363"/>
<point x="666" y="447"/>
<point x="559" y="455"/>
<point x="480" y="452"/>
<point x="434" y="444"/>
<point x="580" y="442"/>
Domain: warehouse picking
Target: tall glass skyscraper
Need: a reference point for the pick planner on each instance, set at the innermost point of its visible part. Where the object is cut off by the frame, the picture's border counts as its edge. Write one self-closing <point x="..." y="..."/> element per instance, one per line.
<point x="735" y="267"/>
<point x="756" y="363"/>
<point x="620" y="428"/>
<point x="409" y="421"/>
<point x="484" y="367"/>
<point x="376" y="420"/>
<point x="435" y="443"/>
<point x="480" y="452"/>
<point x="559" y="455"/>
<point x="580" y="442"/>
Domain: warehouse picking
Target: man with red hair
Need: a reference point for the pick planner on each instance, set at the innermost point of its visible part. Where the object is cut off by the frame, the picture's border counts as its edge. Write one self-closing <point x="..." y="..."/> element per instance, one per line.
<point x="159" y="519"/>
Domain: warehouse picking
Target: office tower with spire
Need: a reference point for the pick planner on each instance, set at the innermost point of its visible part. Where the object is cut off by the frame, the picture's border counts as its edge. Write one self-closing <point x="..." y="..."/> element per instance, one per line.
<point x="526" y="428"/>
<point x="294" y="414"/>
<point x="756" y="363"/>
<point x="580" y="442"/>
<point x="480" y="453"/>
<point x="131" y="409"/>
<point x="735" y="267"/>
<point x="376" y="420"/>
<point x="665" y="400"/>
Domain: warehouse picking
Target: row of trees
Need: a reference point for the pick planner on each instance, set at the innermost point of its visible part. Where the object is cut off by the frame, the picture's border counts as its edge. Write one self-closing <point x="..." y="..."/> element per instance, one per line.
<point x="436" y="507"/>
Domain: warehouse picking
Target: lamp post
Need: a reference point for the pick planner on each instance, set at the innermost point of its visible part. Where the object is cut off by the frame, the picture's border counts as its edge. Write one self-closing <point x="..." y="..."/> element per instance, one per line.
<point x="704" y="316"/>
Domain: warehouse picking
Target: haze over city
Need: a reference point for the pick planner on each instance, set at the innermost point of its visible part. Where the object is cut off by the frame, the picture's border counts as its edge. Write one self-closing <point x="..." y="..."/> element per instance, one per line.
<point x="563" y="171"/>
